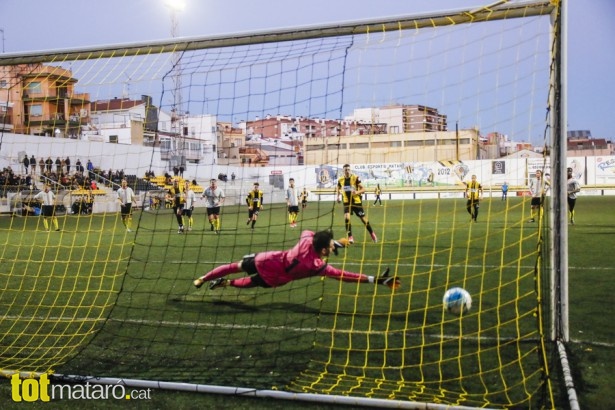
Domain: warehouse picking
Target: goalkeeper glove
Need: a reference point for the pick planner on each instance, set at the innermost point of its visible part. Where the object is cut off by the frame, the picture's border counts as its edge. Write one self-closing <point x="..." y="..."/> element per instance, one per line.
<point x="340" y="243"/>
<point x="391" y="281"/>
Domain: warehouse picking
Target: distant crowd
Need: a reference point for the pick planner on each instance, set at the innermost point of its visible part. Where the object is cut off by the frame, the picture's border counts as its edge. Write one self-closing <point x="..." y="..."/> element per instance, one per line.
<point x="59" y="171"/>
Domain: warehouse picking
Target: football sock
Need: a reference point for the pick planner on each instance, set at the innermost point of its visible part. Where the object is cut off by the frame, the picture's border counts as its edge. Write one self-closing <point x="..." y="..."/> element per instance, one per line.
<point x="222" y="271"/>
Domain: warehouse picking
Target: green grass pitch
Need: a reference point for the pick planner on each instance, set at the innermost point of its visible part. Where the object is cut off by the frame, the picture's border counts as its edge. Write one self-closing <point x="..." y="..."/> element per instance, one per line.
<point x="141" y="283"/>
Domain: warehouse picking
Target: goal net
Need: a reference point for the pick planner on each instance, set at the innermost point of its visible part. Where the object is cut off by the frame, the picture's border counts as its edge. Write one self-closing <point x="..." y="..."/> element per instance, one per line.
<point x="415" y="105"/>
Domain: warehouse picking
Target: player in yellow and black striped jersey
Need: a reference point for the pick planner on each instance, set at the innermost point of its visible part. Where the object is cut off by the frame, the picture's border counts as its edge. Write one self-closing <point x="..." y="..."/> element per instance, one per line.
<point x="474" y="193"/>
<point x="378" y="192"/>
<point x="177" y="195"/>
<point x="349" y="190"/>
<point x="254" y="199"/>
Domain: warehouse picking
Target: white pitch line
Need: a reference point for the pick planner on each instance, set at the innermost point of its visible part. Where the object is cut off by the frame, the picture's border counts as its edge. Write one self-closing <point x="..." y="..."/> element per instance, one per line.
<point x="231" y="326"/>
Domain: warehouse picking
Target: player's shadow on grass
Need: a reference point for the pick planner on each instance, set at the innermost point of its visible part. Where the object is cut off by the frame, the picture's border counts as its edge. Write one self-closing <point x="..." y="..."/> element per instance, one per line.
<point x="221" y="306"/>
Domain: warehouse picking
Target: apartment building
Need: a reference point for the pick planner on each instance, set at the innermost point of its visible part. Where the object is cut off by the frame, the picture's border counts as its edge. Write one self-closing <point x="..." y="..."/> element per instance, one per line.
<point x="43" y="100"/>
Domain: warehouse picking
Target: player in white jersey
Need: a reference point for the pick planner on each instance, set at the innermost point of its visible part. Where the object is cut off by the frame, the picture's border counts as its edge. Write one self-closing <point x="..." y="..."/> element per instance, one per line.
<point x="292" y="201"/>
<point x="573" y="188"/>
<point x="189" y="199"/>
<point x="126" y="195"/>
<point x="48" y="199"/>
<point x="538" y="188"/>
<point x="214" y="198"/>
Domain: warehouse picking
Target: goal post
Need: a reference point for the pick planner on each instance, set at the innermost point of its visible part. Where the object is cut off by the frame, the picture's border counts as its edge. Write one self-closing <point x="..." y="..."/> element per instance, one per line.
<point x="415" y="106"/>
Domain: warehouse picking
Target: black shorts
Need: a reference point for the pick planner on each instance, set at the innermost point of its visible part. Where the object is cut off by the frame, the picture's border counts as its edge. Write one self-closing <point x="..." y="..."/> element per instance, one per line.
<point x="215" y="210"/>
<point x="473" y="202"/>
<point x="125" y="209"/>
<point x="48" y="210"/>
<point x="248" y="265"/>
<point x="356" y="209"/>
<point x="536" y="201"/>
<point x="253" y="212"/>
<point x="187" y="212"/>
<point x="293" y="209"/>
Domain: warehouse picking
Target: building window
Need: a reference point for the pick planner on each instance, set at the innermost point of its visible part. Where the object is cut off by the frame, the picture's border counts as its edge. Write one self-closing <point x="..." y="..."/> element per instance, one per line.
<point x="3" y="84"/>
<point x="36" y="110"/>
<point x="318" y="147"/>
<point x="358" y="145"/>
<point x="34" y="87"/>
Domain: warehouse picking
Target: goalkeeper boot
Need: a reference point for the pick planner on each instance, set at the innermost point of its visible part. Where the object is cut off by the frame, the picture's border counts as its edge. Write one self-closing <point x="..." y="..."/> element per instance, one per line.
<point x="374" y="237"/>
<point x="218" y="283"/>
<point x="350" y="239"/>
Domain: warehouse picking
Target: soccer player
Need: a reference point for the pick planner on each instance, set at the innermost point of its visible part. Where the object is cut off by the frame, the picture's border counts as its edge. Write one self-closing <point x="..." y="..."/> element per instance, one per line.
<point x="254" y="199"/>
<point x="292" y="201"/>
<point x="276" y="268"/>
<point x="538" y="188"/>
<point x="177" y="198"/>
<point x="214" y="198"/>
<point x="378" y="192"/>
<point x="504" y="191"/>
<point x="573" y="188"/>
<point x="474" y="193"/>
<point x="304" y="198"/>
<point x="48" y="198"/>
<point x="126" y="195"/>
<point x="189" y="199"/>
<point x="349" y="190"/>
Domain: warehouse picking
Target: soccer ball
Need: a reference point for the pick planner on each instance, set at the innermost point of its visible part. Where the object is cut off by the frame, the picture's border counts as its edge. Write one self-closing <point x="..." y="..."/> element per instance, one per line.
<point x="457" y="301"/>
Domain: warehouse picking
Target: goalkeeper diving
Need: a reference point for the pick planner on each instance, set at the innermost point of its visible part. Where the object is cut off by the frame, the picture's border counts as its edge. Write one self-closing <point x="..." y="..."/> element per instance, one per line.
<point x="306" y="259"/>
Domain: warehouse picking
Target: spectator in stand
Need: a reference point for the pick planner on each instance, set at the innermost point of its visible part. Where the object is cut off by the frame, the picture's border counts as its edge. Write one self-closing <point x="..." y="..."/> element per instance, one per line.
<point x="78" y="166"/>
<point x="41" y="164"/>
<point x="67" y="162"/>
<point x="26" y="163"/>
<point x="181" y="171"/>
<point x="33" y="165"/>
<point x="58" y="165"/>
<point x="48" y="164"/>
